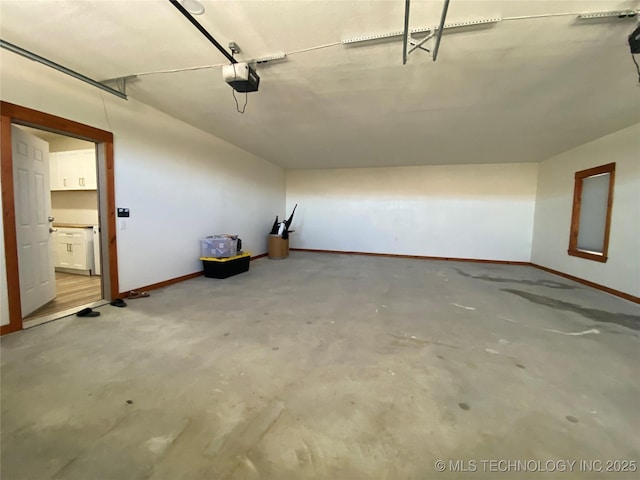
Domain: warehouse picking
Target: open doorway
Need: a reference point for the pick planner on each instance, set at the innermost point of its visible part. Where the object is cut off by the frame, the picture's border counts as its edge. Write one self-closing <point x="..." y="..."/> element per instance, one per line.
<point x="13" y="118"/>
<point x="74" y="225"/>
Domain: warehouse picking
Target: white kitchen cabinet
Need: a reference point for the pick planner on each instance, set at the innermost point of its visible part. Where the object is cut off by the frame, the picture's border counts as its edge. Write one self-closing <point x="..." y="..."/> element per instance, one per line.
<point x="74" y="249"/>
<point x="54" y="178"/>
<point x="73" y="170"/>
<point x="89" y="170"/>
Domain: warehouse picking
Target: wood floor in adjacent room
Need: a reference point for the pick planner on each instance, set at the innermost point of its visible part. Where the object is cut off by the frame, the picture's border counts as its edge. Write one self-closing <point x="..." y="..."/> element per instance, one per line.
<point x="71" y="291"/>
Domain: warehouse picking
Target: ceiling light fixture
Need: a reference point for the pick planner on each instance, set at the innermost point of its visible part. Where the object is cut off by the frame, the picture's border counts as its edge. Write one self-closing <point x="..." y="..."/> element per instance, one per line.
<point x="193" y="6"/>
<point x="201" y="29"/>
<point x="612" y="14"/>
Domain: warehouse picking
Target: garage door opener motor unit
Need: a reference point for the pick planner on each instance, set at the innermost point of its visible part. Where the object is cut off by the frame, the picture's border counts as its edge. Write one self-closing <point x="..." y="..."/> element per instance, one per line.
<point x="241" y="77"/>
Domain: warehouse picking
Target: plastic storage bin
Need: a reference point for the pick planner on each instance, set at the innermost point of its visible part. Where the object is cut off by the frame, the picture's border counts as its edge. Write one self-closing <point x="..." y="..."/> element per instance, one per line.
<point x="225" y="267"/>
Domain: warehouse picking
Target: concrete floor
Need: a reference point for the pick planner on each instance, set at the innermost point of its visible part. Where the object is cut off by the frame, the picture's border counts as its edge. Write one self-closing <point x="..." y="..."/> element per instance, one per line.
<point x="330" y="367"/>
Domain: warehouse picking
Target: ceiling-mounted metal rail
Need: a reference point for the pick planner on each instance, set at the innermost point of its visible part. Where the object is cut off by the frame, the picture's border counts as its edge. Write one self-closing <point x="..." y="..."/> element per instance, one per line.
<point x="202" y="30"/>
<point x="440" y="28"/>
<point x="405" y="35"/>
<point x="44" y="61"/>
<point x="425" y="30"/>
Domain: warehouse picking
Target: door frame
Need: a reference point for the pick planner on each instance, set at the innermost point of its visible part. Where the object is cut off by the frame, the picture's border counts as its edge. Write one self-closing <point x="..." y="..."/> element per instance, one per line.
<point x="11" y="113"/>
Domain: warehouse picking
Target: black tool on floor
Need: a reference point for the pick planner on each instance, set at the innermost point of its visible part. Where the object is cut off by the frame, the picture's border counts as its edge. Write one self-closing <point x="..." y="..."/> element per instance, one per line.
<point x="87" y="312"/>
<point x="118" y="302"/>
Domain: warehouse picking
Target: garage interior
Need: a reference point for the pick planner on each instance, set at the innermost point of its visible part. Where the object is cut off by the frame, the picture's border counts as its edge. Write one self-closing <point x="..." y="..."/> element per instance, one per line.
<point x="463" y="284"/>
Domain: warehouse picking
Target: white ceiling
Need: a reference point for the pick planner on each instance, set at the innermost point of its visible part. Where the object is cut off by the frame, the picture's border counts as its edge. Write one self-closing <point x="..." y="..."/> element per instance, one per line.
<point x="515" y="91"/>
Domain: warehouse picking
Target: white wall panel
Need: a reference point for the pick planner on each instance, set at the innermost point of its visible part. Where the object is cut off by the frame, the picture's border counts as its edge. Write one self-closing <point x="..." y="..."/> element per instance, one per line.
<point x="554" y="206"/>
<point x="179" y="182"/>
<point x="462" y="211"/>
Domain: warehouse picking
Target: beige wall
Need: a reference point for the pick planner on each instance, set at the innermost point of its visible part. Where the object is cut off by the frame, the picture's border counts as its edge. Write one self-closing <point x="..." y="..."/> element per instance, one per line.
<point x="65" y="144"/>
<point x="180" y="183"/>
<point x="75" y="206"/>
<point x="463" y="211"/>
<point x="554" y="206"/>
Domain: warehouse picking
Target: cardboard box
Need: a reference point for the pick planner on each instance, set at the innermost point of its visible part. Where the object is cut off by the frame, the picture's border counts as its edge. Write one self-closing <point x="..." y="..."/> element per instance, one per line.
<point x="278" y="247"/>
<point x="219" y="246"/>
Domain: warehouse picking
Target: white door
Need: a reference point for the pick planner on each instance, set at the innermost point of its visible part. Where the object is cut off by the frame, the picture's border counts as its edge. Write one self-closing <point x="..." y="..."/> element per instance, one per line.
<point x="33" y="210"/>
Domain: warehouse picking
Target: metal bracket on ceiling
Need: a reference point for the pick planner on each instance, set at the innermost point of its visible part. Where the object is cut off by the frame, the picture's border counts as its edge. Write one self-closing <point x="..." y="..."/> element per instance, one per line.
<point x="407" y="39"/>
<point x="419" y="31"/>
<point x="419" y="44"/>
<point x="119" y="84"/>
<point x="267" y="59"/>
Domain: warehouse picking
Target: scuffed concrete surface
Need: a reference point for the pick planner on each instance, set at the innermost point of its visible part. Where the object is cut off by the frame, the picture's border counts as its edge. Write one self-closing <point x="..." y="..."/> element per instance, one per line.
<point x="327" y="366"/>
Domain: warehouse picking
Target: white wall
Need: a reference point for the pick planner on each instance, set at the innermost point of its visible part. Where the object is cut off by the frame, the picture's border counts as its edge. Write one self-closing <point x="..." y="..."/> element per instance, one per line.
<point x="179" y="182"/>
<point x="554" y="205"/>
<point x="462" y="211"/>
<point x="65" y="144"/>
<point x="75" y="206"/>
